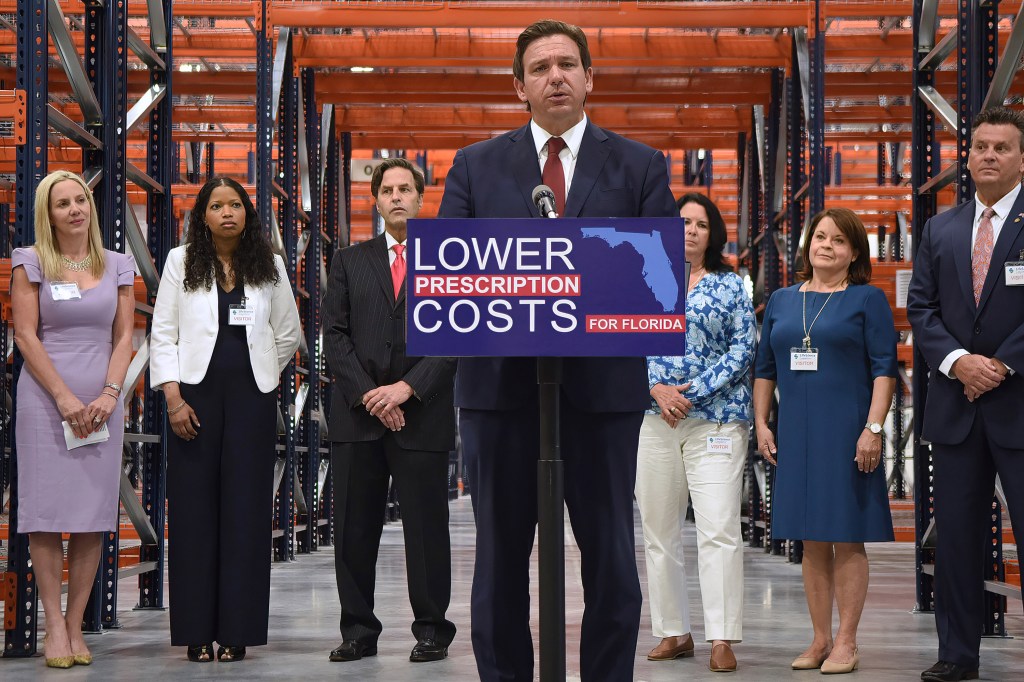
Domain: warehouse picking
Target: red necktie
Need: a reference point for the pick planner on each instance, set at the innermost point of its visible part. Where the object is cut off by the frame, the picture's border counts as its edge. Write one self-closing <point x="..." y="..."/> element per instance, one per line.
<point x="554" y="175"/>
<point x="398" y="268"/>
<point x="981" y="257"/>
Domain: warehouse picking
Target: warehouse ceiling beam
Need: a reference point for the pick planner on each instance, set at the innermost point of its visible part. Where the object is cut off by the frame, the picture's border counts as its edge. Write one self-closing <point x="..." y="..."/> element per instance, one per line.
<point x="443" y="13"/>
<point x="637" y="15"/>
<point x="439" y="49"/>
<point x="449" y="88"/>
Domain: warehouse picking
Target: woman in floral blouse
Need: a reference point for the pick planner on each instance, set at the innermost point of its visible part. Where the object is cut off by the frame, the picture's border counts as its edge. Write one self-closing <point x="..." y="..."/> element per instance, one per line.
<point x="693" y="444"/>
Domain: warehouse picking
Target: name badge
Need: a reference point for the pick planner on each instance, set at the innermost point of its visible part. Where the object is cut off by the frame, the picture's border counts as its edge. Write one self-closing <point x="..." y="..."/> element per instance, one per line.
<point x="1015" y="274"/>
<point x="719" y="445"/>
<point x="241" y="315"/>
<point x="803" y="359"/>
<point x="64" y="291"/>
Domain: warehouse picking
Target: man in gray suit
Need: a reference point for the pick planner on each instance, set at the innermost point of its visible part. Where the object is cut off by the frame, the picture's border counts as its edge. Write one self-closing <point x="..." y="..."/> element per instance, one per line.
<point x="391" y="416"/>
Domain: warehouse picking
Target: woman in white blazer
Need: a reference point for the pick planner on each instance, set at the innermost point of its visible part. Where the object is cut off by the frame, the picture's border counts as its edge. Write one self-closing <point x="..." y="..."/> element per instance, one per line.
<point x="224" y="326"/>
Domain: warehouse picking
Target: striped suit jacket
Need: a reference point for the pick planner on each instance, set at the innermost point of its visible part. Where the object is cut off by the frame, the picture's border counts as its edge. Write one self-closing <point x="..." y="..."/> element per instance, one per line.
<point x="364" y="342"/>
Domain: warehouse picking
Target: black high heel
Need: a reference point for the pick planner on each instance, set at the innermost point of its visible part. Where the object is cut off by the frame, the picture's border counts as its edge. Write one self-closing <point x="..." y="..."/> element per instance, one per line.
<point x="229" y="654"/>
<point x="202" y="653"/>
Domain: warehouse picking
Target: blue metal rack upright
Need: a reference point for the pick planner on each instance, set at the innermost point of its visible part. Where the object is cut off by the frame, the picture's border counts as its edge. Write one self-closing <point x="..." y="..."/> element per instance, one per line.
<point x="21" y="626"/>
<point x="163" y="236"/>
<point x="106" y="34"/>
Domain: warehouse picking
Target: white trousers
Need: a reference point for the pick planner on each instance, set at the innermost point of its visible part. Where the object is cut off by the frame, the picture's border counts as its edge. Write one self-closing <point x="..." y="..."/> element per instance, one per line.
<point x="672" y="465"/>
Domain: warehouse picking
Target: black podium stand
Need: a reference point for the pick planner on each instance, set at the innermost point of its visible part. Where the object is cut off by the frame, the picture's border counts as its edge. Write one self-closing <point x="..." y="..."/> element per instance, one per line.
<point x="550" y="525"/>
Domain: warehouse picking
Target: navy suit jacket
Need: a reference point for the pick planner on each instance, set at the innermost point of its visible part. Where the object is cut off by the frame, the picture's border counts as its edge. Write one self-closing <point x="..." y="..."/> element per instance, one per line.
<point x="364" y="341"/>
<point x="614" y="177"/>
<point x="942" y="312"/>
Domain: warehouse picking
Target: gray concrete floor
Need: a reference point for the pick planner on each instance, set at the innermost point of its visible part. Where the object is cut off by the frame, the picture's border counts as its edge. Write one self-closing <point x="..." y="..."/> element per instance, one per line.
<point x="895" y="643"/>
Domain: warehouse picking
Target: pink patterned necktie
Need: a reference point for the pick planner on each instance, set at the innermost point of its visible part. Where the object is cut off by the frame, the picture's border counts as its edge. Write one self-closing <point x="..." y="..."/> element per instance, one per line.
<point x="398" y="268"/>
<point x="981" y="257"/>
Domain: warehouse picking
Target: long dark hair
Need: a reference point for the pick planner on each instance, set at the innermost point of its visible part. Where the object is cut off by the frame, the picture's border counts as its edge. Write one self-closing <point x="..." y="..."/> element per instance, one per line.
<point x="717" y="236"/>
<point x="253" y="260"/>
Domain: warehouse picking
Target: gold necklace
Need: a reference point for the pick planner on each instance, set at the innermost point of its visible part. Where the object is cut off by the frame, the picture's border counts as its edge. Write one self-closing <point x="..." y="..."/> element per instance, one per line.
<point x="807" y="330"/>
<point x="77" y="266"/>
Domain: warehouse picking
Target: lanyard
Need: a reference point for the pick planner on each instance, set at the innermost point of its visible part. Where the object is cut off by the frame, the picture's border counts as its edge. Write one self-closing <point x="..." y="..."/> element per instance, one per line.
<point x="807" y="330"/>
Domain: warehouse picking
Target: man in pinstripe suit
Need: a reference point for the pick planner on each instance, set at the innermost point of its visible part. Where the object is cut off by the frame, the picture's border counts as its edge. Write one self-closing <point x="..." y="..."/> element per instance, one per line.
<point x="391" y="415"/>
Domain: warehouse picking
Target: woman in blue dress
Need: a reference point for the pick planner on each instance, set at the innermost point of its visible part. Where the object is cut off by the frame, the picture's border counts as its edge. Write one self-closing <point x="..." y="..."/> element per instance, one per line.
<point x="830" y="346"/>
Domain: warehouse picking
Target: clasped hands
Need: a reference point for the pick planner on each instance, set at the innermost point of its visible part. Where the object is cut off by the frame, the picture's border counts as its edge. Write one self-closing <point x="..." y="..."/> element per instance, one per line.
<point x="979" y="374"/>
<point x="384" y="403"/>
<point x="84" y="419"/>
<point x="674" y="405"/>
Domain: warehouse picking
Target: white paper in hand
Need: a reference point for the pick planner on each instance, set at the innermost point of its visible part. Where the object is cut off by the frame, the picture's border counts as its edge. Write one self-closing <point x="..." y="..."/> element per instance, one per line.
<point x="73" y="441"/>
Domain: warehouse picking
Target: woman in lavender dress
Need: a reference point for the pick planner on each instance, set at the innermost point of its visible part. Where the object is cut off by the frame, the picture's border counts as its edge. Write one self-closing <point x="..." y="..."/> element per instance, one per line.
<point x="73" y="318"/>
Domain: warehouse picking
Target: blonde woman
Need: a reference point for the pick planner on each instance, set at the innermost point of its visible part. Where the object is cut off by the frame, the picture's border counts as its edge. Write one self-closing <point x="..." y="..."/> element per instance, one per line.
<point x="73" y="317"/>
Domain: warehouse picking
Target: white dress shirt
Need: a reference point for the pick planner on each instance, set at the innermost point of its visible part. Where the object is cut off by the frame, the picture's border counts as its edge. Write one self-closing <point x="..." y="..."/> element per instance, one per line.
<point x="391" y="251"/>
<point x="573" y="138"/>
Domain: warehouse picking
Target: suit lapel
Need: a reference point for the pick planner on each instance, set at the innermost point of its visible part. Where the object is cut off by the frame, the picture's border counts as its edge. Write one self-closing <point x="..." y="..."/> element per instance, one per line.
<point x="381" y="265"/>
<point x="593" y="153"/>
<point x="961" y="236"/>
<point x="1001" y="249"/>
<point x="250" y="293"/>
<point x="211" y="299"/>
<point x="525" y="165"/>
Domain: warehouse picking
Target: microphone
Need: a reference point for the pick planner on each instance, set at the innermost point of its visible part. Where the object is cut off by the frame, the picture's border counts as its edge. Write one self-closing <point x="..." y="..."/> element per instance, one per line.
<point x="544" y="200"/>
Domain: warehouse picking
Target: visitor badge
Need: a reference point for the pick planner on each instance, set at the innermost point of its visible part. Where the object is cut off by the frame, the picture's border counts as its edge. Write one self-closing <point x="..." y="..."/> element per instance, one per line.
<point x="64" y="291"/>
<point x="1015" y="274"/>
<point x="719" y="445"/>
<point x="803" y="359"/>
<point x="241" y="315"/>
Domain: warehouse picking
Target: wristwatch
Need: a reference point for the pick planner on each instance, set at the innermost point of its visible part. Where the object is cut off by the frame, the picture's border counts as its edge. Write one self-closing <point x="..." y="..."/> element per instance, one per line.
<point x="873" y="427"/>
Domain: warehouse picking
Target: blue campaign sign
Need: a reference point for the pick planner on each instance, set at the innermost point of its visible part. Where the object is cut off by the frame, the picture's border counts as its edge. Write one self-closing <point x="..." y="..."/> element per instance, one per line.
<point x="535" y="287"/>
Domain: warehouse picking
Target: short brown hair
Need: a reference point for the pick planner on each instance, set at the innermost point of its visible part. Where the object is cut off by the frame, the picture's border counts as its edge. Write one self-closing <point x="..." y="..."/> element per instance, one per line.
<point x="853" y="229"/>
<point x="548" y="27"/>
<point x="1000" y="116"/>
<point x="395" y="162"/>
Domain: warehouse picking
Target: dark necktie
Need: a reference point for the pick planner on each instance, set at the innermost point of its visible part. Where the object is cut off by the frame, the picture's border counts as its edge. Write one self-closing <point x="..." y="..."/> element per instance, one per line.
<point x="554" y="175"/>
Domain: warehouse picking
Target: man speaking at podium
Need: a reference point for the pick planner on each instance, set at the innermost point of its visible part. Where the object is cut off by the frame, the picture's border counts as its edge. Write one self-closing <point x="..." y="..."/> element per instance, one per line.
<point x="595" y="173"/>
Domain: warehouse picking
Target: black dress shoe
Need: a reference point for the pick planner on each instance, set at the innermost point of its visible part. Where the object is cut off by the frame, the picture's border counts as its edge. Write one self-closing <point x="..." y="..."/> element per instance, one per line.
<point x="352" y="650"/>
<point x="428" y="650"/>
<point x="202" y="653"/>
<point x="944" y="671"/>
<point x="229" y="654"/>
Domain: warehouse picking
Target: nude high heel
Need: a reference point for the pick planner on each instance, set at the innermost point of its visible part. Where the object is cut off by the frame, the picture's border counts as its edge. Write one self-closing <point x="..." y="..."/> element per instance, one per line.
<point x="830" y="667"/>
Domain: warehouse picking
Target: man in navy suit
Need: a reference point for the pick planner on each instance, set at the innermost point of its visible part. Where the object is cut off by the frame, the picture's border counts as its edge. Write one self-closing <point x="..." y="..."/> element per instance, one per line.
<point x="602" y="399"/>
<point x="391" y="416"/>
<point x="966" y="306"/>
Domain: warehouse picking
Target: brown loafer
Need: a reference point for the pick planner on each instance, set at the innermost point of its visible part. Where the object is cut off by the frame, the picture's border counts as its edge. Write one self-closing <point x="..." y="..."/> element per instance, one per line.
<point x="722" y="659"/>
<point x="671" y="648"/>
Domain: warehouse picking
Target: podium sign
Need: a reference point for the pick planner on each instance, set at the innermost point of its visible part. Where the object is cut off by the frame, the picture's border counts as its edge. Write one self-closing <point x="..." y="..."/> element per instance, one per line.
<point x="571" y="287"/>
